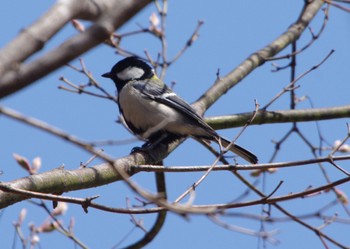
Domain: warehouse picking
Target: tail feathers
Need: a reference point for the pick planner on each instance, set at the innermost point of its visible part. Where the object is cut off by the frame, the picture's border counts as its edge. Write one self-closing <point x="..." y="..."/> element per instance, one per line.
<point x="240" y="151"/>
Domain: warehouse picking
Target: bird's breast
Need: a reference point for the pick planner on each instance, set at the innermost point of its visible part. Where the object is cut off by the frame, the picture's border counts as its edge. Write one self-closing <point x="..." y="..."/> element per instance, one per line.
<point x="150" y="116"/>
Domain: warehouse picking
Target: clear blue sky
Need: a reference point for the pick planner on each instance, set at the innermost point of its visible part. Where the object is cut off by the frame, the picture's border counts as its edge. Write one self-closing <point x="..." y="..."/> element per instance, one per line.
<point x="232" y="30"/>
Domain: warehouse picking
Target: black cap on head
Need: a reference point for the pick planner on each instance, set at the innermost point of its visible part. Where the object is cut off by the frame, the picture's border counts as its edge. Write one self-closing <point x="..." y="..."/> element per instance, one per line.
<point x="132" y="61"/>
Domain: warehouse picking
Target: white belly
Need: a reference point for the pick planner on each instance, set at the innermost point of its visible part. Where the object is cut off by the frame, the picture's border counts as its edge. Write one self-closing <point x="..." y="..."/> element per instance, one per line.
<point x="151" y="116"/>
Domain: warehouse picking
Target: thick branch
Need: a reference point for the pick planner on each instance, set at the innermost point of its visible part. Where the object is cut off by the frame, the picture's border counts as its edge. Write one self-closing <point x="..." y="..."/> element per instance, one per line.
<point x="33" y="38"/>
<point x="60" y="180"/>
<point x="115" y="13"/>
<point x="271" y="117"/>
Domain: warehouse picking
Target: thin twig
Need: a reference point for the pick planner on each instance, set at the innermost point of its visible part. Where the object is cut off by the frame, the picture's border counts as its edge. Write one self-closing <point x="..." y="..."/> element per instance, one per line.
<point x="52" y="130"/>
<point x="338" y="5"/>
<point x="314" y="37"/>
<point x="159" y="222"/>
<point x="265" y="235"/>
<point x="291" y="86"/>
<point x="60" y="228"/>
<point x="229" y="167"/>
<point x="337" y="149"/>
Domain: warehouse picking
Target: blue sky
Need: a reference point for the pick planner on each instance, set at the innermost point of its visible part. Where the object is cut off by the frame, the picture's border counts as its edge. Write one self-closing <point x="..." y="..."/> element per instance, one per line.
<point x="232" y="30"/>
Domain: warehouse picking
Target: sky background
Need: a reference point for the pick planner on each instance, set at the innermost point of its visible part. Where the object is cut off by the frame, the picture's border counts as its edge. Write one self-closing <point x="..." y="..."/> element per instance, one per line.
<point x="232" y="31"/>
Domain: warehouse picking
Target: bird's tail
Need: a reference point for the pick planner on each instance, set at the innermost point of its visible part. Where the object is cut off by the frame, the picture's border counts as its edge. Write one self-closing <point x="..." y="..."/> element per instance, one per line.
<point x="240" y="151"/>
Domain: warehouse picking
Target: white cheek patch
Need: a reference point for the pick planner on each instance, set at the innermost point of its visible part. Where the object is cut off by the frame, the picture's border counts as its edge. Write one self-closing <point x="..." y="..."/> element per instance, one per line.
<point x="130" y="73"/>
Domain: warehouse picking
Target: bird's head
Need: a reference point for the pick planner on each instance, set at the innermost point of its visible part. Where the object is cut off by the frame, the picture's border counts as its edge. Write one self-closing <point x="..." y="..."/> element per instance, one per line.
<point x="129" y="69"/>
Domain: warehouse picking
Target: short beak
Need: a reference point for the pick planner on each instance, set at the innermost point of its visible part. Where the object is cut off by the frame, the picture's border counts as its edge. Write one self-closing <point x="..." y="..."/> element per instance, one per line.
<point x="107" y="75"/>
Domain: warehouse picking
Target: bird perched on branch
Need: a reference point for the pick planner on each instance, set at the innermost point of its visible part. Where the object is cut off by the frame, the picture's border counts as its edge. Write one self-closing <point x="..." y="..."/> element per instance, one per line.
<point x="151" y="110"/>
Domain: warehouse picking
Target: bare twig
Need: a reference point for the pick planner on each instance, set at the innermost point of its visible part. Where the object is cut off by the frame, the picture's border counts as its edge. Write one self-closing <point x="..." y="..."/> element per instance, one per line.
<point x="291" y="85"/>
<point x="199" y="181"/>
<point x="336" y="149"/>
<point x="82" y="88"/>
<point x="60" y="228"/>
<point x="52" y="130"/>
<point x="265" y="235"/>
<point x="158" y="224"/>
<point x="314" y="37"/>
<point x="249" y="167"/>
<point x="93" y="157"/>
<point x="338" y="5"/>
<point x="189" y="42"/>
<point x="249" y="122"/>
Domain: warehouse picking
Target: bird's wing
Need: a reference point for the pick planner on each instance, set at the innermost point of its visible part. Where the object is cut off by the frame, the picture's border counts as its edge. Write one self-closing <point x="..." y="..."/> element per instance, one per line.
<point x="163" y="94"/>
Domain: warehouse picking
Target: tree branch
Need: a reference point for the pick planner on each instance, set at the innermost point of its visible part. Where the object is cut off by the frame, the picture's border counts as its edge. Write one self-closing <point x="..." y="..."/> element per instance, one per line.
<point x="60" y="180"/>
<point x="221" y="86"/>
<point x="152" y="233"/>
<point x="281" y="116"/>
<point x="182" y="209"/>
<point x="249" y="167"/>
<point x="115" y="13"/>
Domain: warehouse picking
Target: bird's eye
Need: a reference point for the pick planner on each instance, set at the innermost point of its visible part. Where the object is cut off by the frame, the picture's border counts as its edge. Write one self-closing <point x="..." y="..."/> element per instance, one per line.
<point x="130" y="73"/>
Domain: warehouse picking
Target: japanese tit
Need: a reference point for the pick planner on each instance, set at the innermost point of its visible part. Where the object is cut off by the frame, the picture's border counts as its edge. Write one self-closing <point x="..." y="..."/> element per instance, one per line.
<point x="151" y="110"/>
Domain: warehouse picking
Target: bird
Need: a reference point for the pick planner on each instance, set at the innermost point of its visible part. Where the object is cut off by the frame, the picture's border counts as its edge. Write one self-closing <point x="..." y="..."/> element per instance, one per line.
<point x="152" y="111"/>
